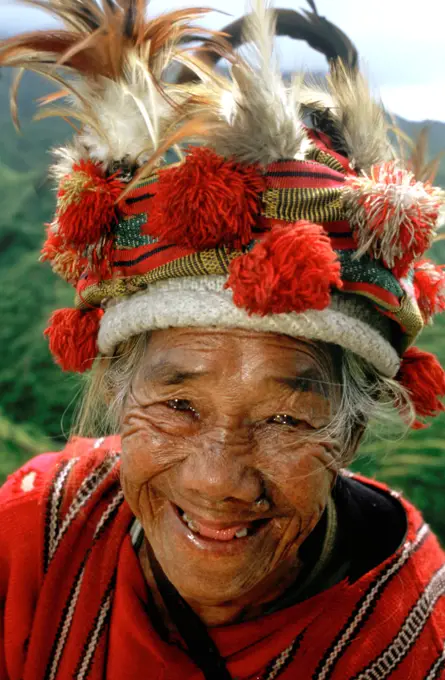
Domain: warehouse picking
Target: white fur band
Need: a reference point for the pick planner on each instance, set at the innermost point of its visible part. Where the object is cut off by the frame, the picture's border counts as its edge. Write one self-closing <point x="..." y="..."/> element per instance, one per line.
<point x="203" y="302"/>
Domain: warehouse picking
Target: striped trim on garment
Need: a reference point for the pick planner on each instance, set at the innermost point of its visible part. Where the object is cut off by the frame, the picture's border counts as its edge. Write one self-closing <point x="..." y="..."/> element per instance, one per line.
<point x="64" y="626"/>
<point x="84" y="493"/>
<point x="52" y="519"/>
<point x="408" y="634"/>
<point x="86" y="660"/>
<point x="365" y="607"/>
<point x="437" y="667"/>
<point x="70" y="606"/>
<point x="279" y="664"/>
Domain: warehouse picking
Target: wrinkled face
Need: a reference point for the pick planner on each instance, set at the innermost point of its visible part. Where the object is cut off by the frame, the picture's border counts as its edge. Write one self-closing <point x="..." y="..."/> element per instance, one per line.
<point x="217" y="421"/>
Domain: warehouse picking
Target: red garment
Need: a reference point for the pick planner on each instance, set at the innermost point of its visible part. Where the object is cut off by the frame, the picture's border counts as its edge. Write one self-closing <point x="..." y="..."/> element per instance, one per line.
<point x="73" y="597"/>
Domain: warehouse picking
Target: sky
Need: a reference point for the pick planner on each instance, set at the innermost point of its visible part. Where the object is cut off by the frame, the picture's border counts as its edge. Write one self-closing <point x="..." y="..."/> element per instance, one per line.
<point x="401" y="43"/>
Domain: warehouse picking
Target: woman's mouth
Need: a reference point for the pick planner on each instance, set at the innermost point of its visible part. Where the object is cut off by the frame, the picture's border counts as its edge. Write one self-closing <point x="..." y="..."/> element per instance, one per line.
<point x="220" y="531"/>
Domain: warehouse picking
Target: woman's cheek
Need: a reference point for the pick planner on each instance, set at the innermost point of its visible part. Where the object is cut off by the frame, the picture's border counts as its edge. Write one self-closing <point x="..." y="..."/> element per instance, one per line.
<point x="300" y="474"/>
<point x="147" y="449"/>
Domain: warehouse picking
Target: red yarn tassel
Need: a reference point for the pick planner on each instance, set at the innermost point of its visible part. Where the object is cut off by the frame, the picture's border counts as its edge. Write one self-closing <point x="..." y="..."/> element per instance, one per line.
<point x="206" y="201"/>
<point x="86" y="208"/>
<point x="65" y="261"/>
<point x="72" y="335"/>
<point x="393" y="217"/>
<point x="429" y="287"/>
<point x="424" y="378"/>
<point x="52" y="246"/>
<point x="291" y="270"/>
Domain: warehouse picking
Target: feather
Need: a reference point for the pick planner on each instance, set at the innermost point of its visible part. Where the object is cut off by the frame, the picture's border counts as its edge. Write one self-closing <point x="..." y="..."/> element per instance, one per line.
<point x="360" y="118"/>
<point x="65" y="157"/>
<point x="191" y="129"/>
<point x="345" y="110"/>
<point x="119" y="59"/>
<point x="13" y="98"/>
<point x="128" y="109"/>
<point x="257" y="122"/>
<point x="424" y="170"/>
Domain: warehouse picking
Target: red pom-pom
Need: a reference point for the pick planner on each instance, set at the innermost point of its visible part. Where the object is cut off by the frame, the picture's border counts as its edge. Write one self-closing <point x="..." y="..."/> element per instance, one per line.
<point x="72" y="335"/>
<point x="206" y="201"/>
<point x="429" y="288"/>
<point x="393" y="217"/>
<point x="291" y="270"/>
<point x="65" y="261"/>
<point x="53" y="246"/>
<point x="424" y="378"/>
<point x="86" y="208"/>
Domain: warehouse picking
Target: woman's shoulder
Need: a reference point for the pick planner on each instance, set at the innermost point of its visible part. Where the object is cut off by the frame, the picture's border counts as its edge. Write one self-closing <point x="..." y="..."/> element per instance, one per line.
<point x="42" y="494"/>
<point x="32" y="483"/>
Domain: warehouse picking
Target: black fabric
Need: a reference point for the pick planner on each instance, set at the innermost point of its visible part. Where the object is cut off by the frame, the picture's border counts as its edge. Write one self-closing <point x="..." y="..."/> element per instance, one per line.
<point x="372" y="525"/>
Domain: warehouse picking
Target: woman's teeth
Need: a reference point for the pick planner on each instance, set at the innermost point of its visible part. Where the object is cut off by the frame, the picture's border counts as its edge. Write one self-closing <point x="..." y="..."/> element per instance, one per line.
<point x="190" y="523"/>
<point x="241" y="533"/>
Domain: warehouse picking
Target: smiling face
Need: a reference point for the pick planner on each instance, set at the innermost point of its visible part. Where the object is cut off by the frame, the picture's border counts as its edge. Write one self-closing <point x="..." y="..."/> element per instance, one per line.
<point x="215" y="422"/>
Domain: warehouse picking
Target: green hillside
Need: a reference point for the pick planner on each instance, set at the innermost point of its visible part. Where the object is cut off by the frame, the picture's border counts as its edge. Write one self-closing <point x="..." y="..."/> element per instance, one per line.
<point x="36" y="399"/>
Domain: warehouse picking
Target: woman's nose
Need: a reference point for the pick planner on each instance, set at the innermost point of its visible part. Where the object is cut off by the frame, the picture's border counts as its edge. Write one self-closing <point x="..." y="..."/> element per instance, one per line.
<point x="220" y="468"/>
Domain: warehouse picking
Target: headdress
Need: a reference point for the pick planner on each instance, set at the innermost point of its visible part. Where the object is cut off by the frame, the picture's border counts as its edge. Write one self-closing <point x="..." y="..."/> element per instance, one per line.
<point x="250" y="201"/>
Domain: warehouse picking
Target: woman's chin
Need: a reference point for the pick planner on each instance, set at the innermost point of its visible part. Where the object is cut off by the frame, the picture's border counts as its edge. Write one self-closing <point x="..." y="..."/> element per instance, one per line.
<point x="209" y="569"/>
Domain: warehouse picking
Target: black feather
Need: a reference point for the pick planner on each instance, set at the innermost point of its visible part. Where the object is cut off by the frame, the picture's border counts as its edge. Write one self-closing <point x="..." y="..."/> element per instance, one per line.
<point x="322" y="121"/>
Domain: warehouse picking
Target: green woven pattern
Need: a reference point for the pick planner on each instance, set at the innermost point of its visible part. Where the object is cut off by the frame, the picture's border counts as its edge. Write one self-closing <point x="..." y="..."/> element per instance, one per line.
<point x="365" y="270"/>
<point x="129" y="235"/>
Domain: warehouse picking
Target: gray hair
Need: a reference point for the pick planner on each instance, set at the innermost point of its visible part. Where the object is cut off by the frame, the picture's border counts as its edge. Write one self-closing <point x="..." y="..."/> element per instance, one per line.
<point x="361" y="399"/>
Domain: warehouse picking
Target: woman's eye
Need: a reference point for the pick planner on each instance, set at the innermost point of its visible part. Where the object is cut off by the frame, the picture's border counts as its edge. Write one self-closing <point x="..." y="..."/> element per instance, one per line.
<point x="181" y="405"/>
<point x="283" y="419"/>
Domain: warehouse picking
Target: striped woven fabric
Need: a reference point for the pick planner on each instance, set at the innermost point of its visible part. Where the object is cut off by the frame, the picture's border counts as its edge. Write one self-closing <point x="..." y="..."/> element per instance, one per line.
<point x="386" y="625"/>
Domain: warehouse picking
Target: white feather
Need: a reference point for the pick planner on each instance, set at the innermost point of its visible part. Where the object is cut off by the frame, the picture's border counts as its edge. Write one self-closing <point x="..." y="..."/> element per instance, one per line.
<point x="65" y="157"/>
<point x="128" y="121"/>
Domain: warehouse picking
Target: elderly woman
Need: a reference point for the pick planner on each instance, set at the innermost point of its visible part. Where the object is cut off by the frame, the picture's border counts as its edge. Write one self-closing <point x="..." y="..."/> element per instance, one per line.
<point x="248" y="308"/>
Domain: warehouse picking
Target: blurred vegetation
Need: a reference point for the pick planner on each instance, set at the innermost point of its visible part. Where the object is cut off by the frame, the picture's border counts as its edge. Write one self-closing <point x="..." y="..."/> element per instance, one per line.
<point x="36" y="398"/>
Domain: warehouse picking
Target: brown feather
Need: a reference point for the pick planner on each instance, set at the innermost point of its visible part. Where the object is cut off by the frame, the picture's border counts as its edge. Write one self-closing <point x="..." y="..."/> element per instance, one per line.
<point x="419" y="152"/>
<point x="121" y="56"/>
<point x="424" y="170"/>
<point x="99" y="47"/>
<point x="13" y="99"/>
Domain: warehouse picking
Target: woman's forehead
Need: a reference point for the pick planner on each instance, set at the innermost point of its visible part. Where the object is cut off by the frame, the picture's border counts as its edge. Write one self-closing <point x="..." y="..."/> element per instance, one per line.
<point x="202" y="350"/>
